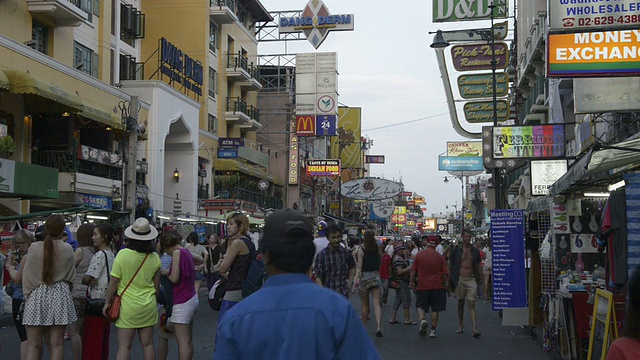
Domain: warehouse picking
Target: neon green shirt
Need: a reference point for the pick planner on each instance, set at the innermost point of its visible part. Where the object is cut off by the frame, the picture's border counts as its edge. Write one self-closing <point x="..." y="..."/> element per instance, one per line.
<point x="139" y="307"/>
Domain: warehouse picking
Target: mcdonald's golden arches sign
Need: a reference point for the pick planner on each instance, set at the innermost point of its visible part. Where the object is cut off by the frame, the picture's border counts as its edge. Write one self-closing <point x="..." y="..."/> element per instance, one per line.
<point x="305" y="125"/>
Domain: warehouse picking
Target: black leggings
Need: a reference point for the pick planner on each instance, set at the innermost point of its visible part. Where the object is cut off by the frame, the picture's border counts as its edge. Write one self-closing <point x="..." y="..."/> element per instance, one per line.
<point x="15" y="307"/>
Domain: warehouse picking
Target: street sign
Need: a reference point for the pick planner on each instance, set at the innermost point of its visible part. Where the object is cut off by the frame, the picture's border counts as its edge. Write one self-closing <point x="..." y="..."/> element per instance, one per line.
<point x="482" y="111"/>
<point x="475" y="86"/>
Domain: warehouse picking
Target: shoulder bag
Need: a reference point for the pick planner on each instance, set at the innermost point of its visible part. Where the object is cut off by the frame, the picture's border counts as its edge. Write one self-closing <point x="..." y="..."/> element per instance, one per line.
<point x="113" y="310"/>
<point x="95" y="306"/>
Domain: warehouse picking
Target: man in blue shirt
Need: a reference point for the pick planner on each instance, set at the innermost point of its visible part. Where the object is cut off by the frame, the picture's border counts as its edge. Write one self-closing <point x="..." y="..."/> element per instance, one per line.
<point x="290" y="317"/>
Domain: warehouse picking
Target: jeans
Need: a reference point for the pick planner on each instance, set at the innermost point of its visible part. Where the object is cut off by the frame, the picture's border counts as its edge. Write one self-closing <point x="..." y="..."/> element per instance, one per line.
<point x="385" y="290"/>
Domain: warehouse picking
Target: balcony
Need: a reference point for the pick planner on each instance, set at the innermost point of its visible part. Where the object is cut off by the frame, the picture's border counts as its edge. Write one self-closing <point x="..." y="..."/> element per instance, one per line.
<point x="241" y="114"/>
<point x="223" y="11"/>
<point x="534" y="54"/>
<point x="64" y="13"/>
<point x="240" y="70"/>
<point x="59" y="157"/>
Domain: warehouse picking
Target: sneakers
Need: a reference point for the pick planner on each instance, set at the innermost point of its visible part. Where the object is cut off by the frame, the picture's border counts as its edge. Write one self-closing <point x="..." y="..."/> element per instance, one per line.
<point x="432" y="333"/>
<point x="424" y="326"/>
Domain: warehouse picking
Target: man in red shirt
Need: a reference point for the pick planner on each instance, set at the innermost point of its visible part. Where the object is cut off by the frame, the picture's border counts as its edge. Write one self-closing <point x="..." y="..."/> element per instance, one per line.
<point x="430" y="285"/>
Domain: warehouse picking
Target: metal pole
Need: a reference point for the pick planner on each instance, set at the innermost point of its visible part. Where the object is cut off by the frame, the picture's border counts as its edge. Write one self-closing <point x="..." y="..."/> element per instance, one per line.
<point x="131" y="158"/>
<point x="496" y="171"/>
<point x="462" y="216"/>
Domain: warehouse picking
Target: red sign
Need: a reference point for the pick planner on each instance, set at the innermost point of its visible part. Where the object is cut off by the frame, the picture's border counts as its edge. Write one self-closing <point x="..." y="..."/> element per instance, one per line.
<point x="398" y="218"/>
<point x="306" y="125"/>
<point x="406" y="193"/>
<point x="411" y="203"/>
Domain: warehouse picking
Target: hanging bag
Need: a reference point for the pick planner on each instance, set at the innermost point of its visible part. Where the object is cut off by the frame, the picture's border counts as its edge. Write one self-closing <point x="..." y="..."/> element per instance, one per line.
<point x="113" y="310"/>
<point x="95" y="306"/>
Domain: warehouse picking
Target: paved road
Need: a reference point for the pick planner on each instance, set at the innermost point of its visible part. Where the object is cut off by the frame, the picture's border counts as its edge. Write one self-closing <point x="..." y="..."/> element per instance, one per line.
<point x="399" y="341"/>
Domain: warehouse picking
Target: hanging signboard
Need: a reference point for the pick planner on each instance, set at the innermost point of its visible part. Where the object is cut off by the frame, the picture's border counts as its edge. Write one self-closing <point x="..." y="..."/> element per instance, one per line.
<point x="305" y="125"/>
<point x="461" y="163"/>
<point x="370" y="189"/>
<point x="383" y="208"/>
<point x="520" y="142"/>
<point x="475" y="57"/>
<point x="544" y="173"/>
<point x="464" y="148"/>
<point x="482" y="111"/>
<point x="466" y="10"/>
<point x="594" y="54"/>
<point x="508" y="273"/>
<point x="582" y="15"/>
<point x="326" y="125"/>
<point x="374" y="159"/>
<point x="315" y="22"/>
<point x="477" y="86"/>
<point x="323" y="167"/>
<point x="601" y="95"/>
<point x="429" y="224"/>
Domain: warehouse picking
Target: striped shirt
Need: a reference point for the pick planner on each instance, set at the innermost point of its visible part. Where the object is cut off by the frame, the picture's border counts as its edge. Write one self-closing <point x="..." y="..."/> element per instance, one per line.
<point x="332" y="267"/>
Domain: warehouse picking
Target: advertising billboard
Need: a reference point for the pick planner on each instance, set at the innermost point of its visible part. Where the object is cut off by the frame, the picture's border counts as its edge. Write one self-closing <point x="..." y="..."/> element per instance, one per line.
<point x="467" y="10"/>
<point x="328" y="167"/>
<point x="326" y="125"/>
<point x="383" y="208"/>
<point x="458" y="163"/>
<point x="475" y="57"/>
<point x="374" y="159"/>
<point x="464" y="148"/>
<point x="370" y="189"/>
<point x="583" y="15"/>
<point x="601" y="95"/>
<point x="429" y="224"/>
<point x="315" y="22"/>
<point x="544" y="173"/>
<point x="482" y="111"/>
<point x="476" y="86"/>
<point x="349" y="127"/>
<point x="305" y="125"/>
<point x="594" y="54"/>
<point x="522" y="142"/>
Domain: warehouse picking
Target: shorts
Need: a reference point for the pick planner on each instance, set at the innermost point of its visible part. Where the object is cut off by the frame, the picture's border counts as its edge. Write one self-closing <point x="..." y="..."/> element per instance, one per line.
<point x="370" y="275"/>
<point x="199" y="276"/>
<point x="467" y="289"/>
<point x="435" y="299"/>
<point x="183" y="313"/>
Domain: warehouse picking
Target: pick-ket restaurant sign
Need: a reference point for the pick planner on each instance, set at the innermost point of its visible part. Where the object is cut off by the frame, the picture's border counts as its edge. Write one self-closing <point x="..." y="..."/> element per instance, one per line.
<point x="370" y="189"/>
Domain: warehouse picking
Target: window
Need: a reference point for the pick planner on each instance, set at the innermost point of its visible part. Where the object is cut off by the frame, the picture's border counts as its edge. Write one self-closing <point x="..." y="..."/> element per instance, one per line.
<point x="132" y="22"/>
<point x="213" y="36"/>
<point x="85" y="60"/>
<point x="213" y="83"/>
<point x="40" y="37"/>
<point x="212" y="126"/>
<point x="129" y="68"/>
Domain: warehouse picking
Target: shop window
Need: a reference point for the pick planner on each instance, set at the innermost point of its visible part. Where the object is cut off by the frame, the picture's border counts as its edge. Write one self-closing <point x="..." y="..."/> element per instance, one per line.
<point x="213" y="36"/>
<point x="213" y="83"/>
<point x="40" y="37"/>
<point x="85" y="59"/>
<point x="212" y="125"/>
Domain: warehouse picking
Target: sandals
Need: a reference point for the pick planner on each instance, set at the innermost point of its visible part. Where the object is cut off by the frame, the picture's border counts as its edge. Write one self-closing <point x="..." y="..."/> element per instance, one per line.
<point x="411" y="323"/>
<point x="379" y="333"/>
<point x="459" y="331"/>
<point x="394" y="322"/>
<point x="476" y="334"/>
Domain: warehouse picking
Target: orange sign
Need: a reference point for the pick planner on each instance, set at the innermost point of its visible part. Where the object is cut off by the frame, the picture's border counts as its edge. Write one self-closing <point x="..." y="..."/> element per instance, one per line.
<point x="429" y="224"/>
<point x="398" y="218"/>
<point x="305" y="125"/>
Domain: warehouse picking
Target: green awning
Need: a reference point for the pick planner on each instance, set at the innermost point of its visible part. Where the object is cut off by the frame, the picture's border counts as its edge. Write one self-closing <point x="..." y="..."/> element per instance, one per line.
<point x="98" y="113"/>
<point x="23" y="82"/>
<point x="27" y="181"/>
<point x="4" y="81"/>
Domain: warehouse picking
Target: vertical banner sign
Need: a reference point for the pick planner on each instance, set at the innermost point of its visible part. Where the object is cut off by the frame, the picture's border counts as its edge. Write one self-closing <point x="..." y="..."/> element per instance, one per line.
<point x="292" y="174"/>
<point x="507" y="243"/>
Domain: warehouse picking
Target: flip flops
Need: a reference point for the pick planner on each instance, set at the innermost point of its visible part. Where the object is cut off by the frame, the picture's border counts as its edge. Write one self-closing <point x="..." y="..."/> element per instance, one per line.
<point x="476" y="334"/>
<point x="411" y="323"/>
<point x="459" y="331"/>
<point x="394" y="322"/>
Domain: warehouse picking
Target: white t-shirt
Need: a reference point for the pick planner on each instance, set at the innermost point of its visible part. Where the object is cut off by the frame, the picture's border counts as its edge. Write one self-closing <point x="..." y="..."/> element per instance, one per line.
<point x="320" y="243"/>
<point x="440" y="249"/>
<point x="98" y="270"/>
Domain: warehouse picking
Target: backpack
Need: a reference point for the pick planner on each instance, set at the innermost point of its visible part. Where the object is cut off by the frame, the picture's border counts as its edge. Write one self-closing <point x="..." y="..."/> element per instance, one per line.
<point x="257" y="274"/>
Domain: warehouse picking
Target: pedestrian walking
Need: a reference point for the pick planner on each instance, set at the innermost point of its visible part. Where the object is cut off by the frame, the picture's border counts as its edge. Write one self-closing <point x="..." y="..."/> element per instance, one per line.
<point x="430" y="277"/>
<point x="290" y="317"/>
<point x="399" y="281"/>
<point x="385" y="271"/>
<point x="194" y="247"/>
<point x="15" y="265"/>
<point x="334" y="266"/>
<point x="214" y="255"/>
<point x="82" y="257"/>
<point x="367" y="279"/>
<point x="136" y="268"/>
<point x="185" y="299"/>
<point x="465" y="274"/>
<point x="321" y="240"/>
<point x="96" y="330"/>
<point x="47" y="276"/>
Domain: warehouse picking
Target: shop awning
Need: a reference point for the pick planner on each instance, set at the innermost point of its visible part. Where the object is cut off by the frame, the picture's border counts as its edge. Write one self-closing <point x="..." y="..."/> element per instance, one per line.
<point x="99" y="113"/>
<point x="235" y="165"/>
<point x="23" y="82"/>
<point x="4" y="81"/>
<point x="599" y="160"/>
<point x="27" y="181"/>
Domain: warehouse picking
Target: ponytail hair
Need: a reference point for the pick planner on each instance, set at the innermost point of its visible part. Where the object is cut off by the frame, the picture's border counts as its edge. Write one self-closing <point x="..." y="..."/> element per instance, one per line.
<point x="54" y="227"/>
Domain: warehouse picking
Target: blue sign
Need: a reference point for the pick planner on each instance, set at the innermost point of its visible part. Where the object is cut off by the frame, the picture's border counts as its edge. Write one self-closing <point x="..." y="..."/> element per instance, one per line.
<point x="227" y="153"/>
<point x="325" y="125"/>
<point x="96" y="201"/>
<point x="507" y="246"/>
<point x="374" y="217"/>
<point x="460" y="163"/>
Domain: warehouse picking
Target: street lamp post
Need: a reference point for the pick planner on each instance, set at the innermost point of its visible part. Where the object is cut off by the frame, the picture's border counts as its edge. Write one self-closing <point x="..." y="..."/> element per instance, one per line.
<point x="462" y="211"/>
<point x="494" y="65"/>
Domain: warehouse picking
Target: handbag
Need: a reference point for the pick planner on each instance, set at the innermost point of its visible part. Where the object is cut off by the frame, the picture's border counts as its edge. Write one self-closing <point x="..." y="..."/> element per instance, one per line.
<point x="216" y="294"/>
<point x="113" y="309"/>
<point x="9" y="288"/>
<point x="94" y="306"/>
<point x="370" y="282"/>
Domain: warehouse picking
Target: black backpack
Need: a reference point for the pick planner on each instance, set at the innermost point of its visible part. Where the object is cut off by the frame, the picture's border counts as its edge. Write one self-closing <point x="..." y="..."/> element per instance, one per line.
<point x="257" y="274"/>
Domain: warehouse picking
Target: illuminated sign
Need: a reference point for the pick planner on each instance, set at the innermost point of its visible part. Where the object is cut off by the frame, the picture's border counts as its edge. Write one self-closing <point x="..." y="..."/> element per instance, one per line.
<point x="581" y="15"/>
<point x="305" y="125"/>
<point x="429" y="224"/>
<point x="323" y="167"/>
<point x="478" y="56"/>
<point x="482" y="111"/>
<point x="463" y="10"/>
<point x="374" y="159"/>
<point x="594" y="54"/>
<point x="292" y="174"/>
<point x="398" y="218"/>
<point x="544" y="173"/>
<point x="517" y="142"/>
<point x="481" y="85"/>
<point x="181" y="68"/>
<point x="460" y="163"/>
<point x="400" y="210"/>
<point x="464" y="148"/>
<point x="315" y="22"/>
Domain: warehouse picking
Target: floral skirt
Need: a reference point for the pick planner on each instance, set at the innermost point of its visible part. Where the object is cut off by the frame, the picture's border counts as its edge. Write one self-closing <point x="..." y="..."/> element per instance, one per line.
<point x="49" y="305"/>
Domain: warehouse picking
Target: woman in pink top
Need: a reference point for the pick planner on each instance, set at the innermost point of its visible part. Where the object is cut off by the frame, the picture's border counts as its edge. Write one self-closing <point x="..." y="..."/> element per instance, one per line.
<point x="185" y="300"/>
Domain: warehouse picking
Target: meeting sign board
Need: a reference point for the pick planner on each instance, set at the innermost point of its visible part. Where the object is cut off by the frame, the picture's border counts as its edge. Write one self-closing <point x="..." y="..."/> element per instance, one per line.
<point x="594" y="54"/>
<point x="580" y="15"/>
<point x="507" y="267"/>
<point x="528" y="142"/>
<point x="467" y="10"/>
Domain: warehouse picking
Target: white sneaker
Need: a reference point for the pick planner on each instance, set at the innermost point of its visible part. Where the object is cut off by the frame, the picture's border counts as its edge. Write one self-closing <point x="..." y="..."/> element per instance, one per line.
<point x="424" y="326"/>
<point x="432" y="333"/>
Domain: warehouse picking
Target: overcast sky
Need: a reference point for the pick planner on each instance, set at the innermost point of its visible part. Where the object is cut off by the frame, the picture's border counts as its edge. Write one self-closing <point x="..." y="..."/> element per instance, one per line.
<point x="387" y="68"/>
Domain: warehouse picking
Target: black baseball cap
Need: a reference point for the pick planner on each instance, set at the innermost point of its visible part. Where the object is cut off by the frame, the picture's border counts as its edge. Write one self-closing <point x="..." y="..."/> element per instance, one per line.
<point x="287" y="225"/>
